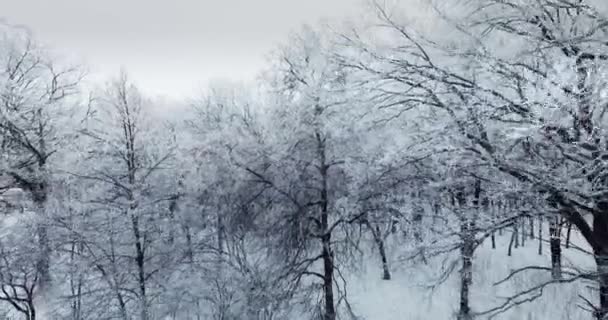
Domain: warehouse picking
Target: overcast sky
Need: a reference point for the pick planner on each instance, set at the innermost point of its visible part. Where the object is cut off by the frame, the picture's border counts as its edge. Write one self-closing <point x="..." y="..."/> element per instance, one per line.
<point x="171" y="47"/>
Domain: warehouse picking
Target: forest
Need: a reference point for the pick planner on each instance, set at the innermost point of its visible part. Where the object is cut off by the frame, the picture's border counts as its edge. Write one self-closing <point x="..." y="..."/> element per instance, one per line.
<point x="447" y="164"/>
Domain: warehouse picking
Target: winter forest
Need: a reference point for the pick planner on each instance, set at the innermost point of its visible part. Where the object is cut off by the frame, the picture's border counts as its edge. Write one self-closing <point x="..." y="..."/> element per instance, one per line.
<point x="448" y="164"/>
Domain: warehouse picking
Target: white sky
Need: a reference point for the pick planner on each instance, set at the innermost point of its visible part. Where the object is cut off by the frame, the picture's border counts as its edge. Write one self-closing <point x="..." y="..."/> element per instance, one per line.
<point x="171" y="47"/>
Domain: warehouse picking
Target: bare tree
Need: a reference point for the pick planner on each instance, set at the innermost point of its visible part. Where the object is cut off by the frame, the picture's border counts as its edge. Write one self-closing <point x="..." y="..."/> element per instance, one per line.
<point x="538" y="124"/>
<point x="35" y="96"/>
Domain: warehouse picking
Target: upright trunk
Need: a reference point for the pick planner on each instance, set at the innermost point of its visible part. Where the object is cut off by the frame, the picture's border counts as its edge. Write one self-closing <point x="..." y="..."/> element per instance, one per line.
<point x="122" y="305"/>
<point x="189" y="247"/>
<point x="568" y="231"/>
<point x="31" y="312"/>
<point x="523" y="232"/>
<point x="600" y="235"/>
<point x="76" y="281"/>
<point x="417" y="219"/>
<point x="328" y="277"/>
<point x="499" y="208"/>
<point x="466" y="275"/>
<point x="326" y="253"/>
<point x="531" y="227"/>
<point x="516" y="234"/>
<point x="491" y="208"/>
<point x="141" y="271"/>
<point x="602" y="269"/>
<point x="378" y="239"/>
<point x="513" y="239"/>
<point x="139" y="236"/>
<point x="467" y="226"/>
<point x="39" y="193"/>
<point x="555" y="246"/>
<point x="220" y="244"/>
<point x="436" y="211"/>
<point x="386" y="275"/>
<point x="540" y="236"/>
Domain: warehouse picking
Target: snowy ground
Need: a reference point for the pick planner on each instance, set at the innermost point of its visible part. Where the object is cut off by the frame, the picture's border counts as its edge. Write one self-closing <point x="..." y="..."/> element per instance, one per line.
<point x="407" y="295"/>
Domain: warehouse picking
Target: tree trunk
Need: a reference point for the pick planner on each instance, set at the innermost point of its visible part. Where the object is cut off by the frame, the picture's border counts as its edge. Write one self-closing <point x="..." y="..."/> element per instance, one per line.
<point x="500" y="206"/>
<point x="513" y="240"/>
<point x="516" y="234"/>
<point x="556" y="250"/>
<point x="493" y="209"/>
<point x="466" y="277"/>
<point x="467" y="227"/>
<point x="31" y="312"/>
<point x="523" y="232"/>
<point x="328" y="277"/>
<point x="76" y="280"/>
<point x="326" y="254"/>
<point x="568" y="231"/>
<point x="141" y="271"/>
<point x="377" y="234"/>
<point x="43" y="263"/>
<point x="531" y="227"/>
<point x="540" y="236"/>
<point x="600" y="236"/>
<point x="602" y="269"/>
<point x="417" y="219"/>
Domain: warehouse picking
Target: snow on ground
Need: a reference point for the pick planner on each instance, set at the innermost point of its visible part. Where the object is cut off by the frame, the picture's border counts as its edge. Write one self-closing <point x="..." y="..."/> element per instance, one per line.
<point x="408" y="296"/>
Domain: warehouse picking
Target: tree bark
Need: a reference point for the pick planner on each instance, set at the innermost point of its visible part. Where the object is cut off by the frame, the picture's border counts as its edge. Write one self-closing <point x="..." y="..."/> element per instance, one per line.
<point x="466" y="277"/>
<point x="568" y="231"/>
<point x="40" y="196"/>
<point x="328" y="277"/>
<point x="377" y="234"/>
<point x="513" y="240"/>
<point x="600" y="238"/>
<point x="531" y="227"/>
<point x="540" y="236"/>
<point x="555" y="246"/>
<point x="326" y="254"/>
<point x="141" y="271"/>
<point x="523" y="232"/>
<point x="602" y="269"/>
<point x="516" y="234"/>
<point x="467" y="226"/>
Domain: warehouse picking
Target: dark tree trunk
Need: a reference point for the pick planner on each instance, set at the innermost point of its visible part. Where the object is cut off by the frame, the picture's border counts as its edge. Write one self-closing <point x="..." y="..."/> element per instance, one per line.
<point x="141" y="271"/>
<point x="436" y="211"/>
<point x="493" y="209"/>
<point x="467" y="233"/>
<point x="499" y="207"/>
<point x="513" y="240"/>
<point x="602" y="269"/>
<point x="465" y="311"/>
<point x="386" y="274"/>
<point x="523" y="232"/>
<point x="466" y="276"/>
<point x="555" y="246"/>
<point x="379" y="241"/>
<point x="568" y="231"/>
<point x="600" y="237"/>
<point x="327" y="253"/>
<point x="540" y="236"/>
<point x="31" y="311"/>
<point x="516" y="234"/>
<point x="418" y="213"/>
<point x="531" y="227"/>
<point x="43" y="264"/>
<point x="328" y="277"/>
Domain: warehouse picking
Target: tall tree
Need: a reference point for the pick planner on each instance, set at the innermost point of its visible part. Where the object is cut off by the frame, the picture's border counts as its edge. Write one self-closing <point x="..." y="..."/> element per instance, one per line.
<point x="36" y="98"/>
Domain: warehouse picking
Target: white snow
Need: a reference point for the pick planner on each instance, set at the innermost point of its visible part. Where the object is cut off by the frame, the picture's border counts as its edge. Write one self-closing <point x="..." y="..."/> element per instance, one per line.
<point x="408" y="296"/>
